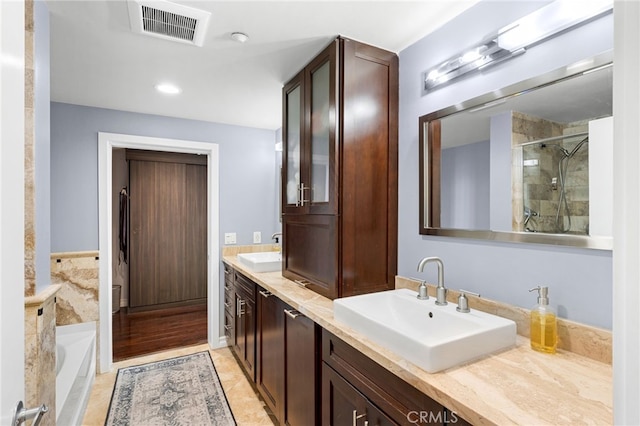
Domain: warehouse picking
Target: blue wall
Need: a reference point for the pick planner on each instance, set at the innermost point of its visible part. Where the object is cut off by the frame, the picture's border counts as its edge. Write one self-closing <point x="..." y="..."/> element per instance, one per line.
<point x="247" y="174"/>
<point x="465" y="186"/>
<point x="580" y="280"/>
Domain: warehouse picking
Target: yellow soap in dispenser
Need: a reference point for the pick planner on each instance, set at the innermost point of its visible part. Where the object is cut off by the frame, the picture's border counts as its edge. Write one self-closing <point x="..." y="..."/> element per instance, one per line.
<point x="543" y="328"/>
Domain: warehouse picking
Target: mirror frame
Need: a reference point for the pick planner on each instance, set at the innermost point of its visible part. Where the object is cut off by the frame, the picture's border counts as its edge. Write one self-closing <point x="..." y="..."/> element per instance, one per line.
<point x="429" y="167"/>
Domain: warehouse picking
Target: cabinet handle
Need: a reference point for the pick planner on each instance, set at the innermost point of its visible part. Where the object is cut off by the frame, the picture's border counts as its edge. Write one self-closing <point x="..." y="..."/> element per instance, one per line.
<point x="226" y="272"/>
<point x="301" y="199"/>
<point x="292" y="313"/>
<point x="302" y="283"/>
<point x="240" y="308"/>
<point x="357" y="417"/>
<point x="226" y="305"/>
<point x="264" y="293"/>
<point x="227" y="327"/>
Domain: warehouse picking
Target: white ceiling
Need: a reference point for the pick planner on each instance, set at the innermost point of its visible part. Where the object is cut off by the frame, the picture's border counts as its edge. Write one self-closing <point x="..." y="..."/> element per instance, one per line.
<point x="96" y="60"/>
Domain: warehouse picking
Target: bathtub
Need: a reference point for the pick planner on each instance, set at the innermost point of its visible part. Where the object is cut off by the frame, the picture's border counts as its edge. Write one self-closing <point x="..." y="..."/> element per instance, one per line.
<point x="75" y="370"/>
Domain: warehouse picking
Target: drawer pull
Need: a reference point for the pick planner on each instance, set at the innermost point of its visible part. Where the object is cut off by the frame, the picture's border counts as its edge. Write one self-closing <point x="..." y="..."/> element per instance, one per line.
<point x="292" y="313"/>
<point x="226" y="305"/>
<point x="302" y="283"/>
<point x="227" y="327"/>
<point x="357" y="417"/>
<point x="226" y="272"/>
<point x="264" y="293"/>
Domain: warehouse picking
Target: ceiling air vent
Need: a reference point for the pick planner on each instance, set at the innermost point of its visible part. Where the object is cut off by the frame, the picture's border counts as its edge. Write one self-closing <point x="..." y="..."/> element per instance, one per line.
<point x="169" y="21"/>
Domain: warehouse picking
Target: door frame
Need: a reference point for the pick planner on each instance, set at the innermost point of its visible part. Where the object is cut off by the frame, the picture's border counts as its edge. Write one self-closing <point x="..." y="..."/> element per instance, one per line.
<point x="106" y="143"/>
<point x="12" y="197"/>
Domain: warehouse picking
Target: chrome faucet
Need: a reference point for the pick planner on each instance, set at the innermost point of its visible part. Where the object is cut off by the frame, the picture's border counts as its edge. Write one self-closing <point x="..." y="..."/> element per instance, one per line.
<point x="441" y="291"/>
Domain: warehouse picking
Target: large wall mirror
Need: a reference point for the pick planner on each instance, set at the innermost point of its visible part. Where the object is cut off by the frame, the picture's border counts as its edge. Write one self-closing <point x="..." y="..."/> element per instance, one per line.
<point x="532" y="162"/>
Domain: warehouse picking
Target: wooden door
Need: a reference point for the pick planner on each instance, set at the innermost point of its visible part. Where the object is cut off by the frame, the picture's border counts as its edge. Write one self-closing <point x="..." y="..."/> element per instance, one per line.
<point x="168" y="222"/>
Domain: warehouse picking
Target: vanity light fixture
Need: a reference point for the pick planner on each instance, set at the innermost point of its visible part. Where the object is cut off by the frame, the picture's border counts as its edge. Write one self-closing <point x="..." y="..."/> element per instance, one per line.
<point x="168" y="88"/>
<point x="512" y="40"/>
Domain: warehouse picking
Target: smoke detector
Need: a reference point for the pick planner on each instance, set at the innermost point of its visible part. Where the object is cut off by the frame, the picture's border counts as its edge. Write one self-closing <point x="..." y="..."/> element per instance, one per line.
<point x="170" y="21"/>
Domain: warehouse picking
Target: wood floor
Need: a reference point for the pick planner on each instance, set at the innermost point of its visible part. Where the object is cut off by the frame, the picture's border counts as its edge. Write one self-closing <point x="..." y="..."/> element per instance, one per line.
<point x="154" y="331"/>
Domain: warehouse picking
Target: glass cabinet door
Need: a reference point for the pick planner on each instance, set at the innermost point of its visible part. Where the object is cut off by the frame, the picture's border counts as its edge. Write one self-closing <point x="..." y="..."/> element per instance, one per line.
<point x="309" y="136"/>
<point x="321" y="99"/>
<point x="293" y="145"/>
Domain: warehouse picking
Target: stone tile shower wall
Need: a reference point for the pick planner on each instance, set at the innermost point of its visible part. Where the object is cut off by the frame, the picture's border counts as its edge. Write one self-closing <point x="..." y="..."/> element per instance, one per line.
<point x="536" y="186"/>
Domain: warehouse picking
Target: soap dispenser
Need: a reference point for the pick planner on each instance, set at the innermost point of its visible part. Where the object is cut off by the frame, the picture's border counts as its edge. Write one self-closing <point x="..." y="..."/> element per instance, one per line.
<point x="543" y="328"/>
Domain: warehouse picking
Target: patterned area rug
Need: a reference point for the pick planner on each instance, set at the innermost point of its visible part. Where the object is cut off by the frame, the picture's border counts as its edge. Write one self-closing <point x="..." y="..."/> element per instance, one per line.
<point x="177" y="391"/>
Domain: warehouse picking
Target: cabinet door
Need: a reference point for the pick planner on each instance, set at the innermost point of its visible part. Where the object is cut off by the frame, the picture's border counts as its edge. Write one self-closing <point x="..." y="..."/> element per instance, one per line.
<point x="250" y="337"/>
<point x="245" y="329"/>
<point x="310" y="137"/>
<point x="310" y="252"/>
<point x="302" y="358"/>
<point x="369" y="165"/>
<point x="342" y="404"/>
<point x="294" y="149"/>
<point x="270" y="351"/>
<point x="321" y="93"/>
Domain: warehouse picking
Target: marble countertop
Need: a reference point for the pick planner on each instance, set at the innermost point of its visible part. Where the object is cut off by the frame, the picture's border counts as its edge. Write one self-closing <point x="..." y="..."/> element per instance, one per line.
<point x="516" y="386"/>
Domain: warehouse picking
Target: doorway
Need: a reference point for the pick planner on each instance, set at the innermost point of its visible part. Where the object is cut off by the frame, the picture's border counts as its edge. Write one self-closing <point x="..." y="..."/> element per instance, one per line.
<point x="107" y="142"/>
<point x="159" y="250"/>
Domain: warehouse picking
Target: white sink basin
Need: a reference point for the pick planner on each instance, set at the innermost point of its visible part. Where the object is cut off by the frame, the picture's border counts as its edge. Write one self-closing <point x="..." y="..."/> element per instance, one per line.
<point x="430" y="336"/>
<point x="265" y="261"/>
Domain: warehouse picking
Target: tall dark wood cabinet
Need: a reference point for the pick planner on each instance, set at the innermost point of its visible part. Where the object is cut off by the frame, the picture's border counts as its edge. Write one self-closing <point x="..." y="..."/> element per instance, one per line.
<point x="168" y="229"/>
<point x="340" y="167"/>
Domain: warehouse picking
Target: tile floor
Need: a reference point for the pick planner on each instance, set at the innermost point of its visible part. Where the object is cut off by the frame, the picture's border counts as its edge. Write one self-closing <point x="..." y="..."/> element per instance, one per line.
<point x="247" y="407"/>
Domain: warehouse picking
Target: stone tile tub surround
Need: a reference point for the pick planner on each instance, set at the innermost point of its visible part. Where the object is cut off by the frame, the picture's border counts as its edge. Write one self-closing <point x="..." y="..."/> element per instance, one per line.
<point x="584" y="340"/>
<point x="516" y="386"/>
<point x="40" y="352"/>
<point x="78" y="274"/>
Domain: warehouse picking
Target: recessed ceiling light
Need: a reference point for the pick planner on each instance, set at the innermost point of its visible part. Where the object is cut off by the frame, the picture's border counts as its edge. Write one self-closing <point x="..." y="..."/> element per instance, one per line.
<point x="239" y="37"/>
<point x="168" y="88"/>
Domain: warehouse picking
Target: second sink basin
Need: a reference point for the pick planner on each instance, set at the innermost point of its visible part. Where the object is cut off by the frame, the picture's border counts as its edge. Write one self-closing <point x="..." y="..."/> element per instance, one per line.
<point x="266" y="261"/>
<point x="432" y="337"/>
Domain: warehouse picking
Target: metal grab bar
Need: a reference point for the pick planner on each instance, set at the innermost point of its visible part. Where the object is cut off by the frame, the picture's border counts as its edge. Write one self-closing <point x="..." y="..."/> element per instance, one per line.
<point x="22" y="414"/>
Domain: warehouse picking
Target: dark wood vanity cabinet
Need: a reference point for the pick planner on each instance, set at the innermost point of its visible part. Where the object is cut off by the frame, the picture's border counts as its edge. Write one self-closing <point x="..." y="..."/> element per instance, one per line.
<point x="355" y="385"/>
<point x="287" y="347"/>
<point x="244" y="342"/>
<point x="229" y="305"/>
<point x="340" y="167"/>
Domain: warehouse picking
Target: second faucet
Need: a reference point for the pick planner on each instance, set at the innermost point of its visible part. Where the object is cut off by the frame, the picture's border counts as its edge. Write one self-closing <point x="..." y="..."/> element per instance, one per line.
<point x="441" y="291"/>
